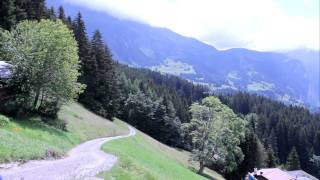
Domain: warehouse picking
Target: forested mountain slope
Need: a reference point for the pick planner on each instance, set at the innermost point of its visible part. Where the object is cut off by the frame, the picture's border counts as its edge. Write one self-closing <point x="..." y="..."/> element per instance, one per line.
<point x="272" y="74"/>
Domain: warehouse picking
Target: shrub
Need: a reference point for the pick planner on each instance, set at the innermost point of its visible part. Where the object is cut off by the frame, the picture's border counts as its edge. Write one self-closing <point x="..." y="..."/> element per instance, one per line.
<point x="57" y="123"/>
<point x="3" y="121"/>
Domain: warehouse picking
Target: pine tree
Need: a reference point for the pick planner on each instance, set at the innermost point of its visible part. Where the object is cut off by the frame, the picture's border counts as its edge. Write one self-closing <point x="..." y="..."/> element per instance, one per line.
<point x="273" y="142"/>
<point x="88" y="64"/>
<point x="83" y="42"/>
<point x="271" y="160"/>
<point x="36" y="9"/>
<point x="62" y="15"/>
<point x="254" y="156"/>
<point x="106" y="90"/>
<point x="293" y="162"/>
<point x="7" y="17"/>
<point x="69" y="22"/>
<point x="20" y="10"/>
<point x="52" y="14"/>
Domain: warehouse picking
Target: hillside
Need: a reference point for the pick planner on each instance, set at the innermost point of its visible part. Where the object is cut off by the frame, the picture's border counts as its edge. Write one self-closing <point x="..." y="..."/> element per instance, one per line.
<point x="311" y="61"/>
<point x="160" y="49"/>
<point x="142" y="157"/>
<point x="35" y="140"/>
<point x="25" y="139"/>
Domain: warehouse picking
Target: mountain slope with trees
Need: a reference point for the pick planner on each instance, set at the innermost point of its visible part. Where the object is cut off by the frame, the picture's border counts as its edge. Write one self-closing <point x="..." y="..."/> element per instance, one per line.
<point x="259" y="132"/>
<point x="266" y="73"/>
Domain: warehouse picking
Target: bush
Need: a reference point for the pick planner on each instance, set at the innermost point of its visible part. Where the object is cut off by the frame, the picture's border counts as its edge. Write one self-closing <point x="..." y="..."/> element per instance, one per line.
<point x="3" y="121"/>
<point x="49" y="110"/>
<point x="57" y="123"/>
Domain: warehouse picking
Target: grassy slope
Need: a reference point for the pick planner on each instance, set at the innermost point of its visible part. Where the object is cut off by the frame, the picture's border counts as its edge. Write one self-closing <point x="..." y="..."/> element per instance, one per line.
<point x="142" y="157"/>
<point x="25" y="140"/>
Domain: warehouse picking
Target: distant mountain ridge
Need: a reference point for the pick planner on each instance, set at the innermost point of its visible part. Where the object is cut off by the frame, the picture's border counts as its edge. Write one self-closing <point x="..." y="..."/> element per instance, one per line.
<point x="311" y="61"/>
<point x="266" y="73"/>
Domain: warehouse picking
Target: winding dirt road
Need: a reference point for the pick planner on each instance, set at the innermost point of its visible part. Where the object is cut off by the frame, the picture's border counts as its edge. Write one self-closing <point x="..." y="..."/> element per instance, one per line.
<point x="83" y="162"/>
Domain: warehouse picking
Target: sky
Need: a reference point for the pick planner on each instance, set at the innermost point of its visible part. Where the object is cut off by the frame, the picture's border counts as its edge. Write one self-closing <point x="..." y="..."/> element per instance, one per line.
<point x="256" y="24"/>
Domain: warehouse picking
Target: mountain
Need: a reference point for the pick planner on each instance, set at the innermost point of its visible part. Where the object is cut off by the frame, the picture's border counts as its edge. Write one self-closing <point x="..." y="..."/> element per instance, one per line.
<point x="311" y="61"/>
<point x="266" y="73"/>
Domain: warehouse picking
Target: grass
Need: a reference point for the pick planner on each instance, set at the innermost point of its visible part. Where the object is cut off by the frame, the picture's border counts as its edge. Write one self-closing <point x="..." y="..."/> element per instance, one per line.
<point x="141" y="157"/>
<point x="86" y="125"/>
<point x="22" y="140"/>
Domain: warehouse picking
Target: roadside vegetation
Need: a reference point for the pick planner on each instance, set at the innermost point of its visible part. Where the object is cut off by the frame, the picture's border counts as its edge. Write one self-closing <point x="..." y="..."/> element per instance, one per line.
<point x="26" y="139"/>
<point x="142" y="157"/>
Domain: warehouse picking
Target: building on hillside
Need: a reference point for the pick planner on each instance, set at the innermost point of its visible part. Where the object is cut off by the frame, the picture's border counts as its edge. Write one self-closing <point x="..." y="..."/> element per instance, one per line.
<point x="5" y="74"/>
<point x="278" y="174"/>
<point x="4" y="70"/>
<point x="301" y="175"/>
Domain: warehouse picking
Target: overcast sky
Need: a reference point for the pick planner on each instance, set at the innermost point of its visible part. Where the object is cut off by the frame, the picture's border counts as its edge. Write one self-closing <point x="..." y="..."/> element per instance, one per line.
<point x="255" y="24"/>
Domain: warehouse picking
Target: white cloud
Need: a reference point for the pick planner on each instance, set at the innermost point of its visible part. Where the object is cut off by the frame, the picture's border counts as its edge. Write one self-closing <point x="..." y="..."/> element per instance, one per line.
<point x="261" y="25"/>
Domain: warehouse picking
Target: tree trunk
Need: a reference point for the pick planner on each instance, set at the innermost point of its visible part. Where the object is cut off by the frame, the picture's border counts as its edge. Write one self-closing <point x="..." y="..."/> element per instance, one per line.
<point x="42" y="98"/>
<point x="200" y="171"/>
<point x="36" y="100"/>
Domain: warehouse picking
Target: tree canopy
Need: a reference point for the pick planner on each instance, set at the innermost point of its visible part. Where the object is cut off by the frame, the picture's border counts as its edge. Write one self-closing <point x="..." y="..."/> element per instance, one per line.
<point x="293" y="162"/>
<point x="216" y="134"/>
<point x="45" y="64"/>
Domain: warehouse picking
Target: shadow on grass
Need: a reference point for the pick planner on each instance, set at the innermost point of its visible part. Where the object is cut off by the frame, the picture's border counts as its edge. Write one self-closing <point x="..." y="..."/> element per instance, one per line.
<point x="35" y="123"/>
<point x="204" y="174"/>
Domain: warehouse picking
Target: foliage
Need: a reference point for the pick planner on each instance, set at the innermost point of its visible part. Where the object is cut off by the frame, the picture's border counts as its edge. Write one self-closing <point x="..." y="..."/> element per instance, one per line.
<point x="98" y="72"/>
<point x="26" y="139"/>
<point x="3" y="121"/>
<point x="140" y="159"/>
<point x="293" y="162"/>
<point x="157" y="104"/>
<point x="7" y="18"/>
<point x="154" y="117"/>
<point x="106" y="90"/>
<point x="271" y="159"/>
<point x="45" y="65"/>
<point x="15" y="11"/>
<point x="216" y="134"/>
<point x="254" y="156"/>
<point x="315" y="165"/>
<point x="279" y="126"/>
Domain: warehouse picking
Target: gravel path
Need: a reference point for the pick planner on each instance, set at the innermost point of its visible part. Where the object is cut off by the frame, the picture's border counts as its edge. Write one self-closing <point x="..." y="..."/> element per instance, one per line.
<point x="83" y="162"/>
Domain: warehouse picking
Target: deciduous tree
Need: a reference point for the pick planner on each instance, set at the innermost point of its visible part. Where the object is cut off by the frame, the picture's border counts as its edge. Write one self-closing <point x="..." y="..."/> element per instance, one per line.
<point x="45" y="64"/>
<point x="216" y="135"/>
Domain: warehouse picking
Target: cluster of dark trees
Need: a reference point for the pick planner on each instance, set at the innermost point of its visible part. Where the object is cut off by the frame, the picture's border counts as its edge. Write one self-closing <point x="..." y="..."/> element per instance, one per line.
<point x="14" y="11"/>
<point x="97" y="67"/>
<point x="97" y="70"/>
<point x="158" y="104"/>
<point x="282" y="129"/>
<point x="154" y="103"/>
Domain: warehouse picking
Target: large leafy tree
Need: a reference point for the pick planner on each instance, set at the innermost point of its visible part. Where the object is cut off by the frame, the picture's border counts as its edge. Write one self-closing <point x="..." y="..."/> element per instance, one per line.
<point x="216" y="134"/>
<point x="45" y="64"/>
